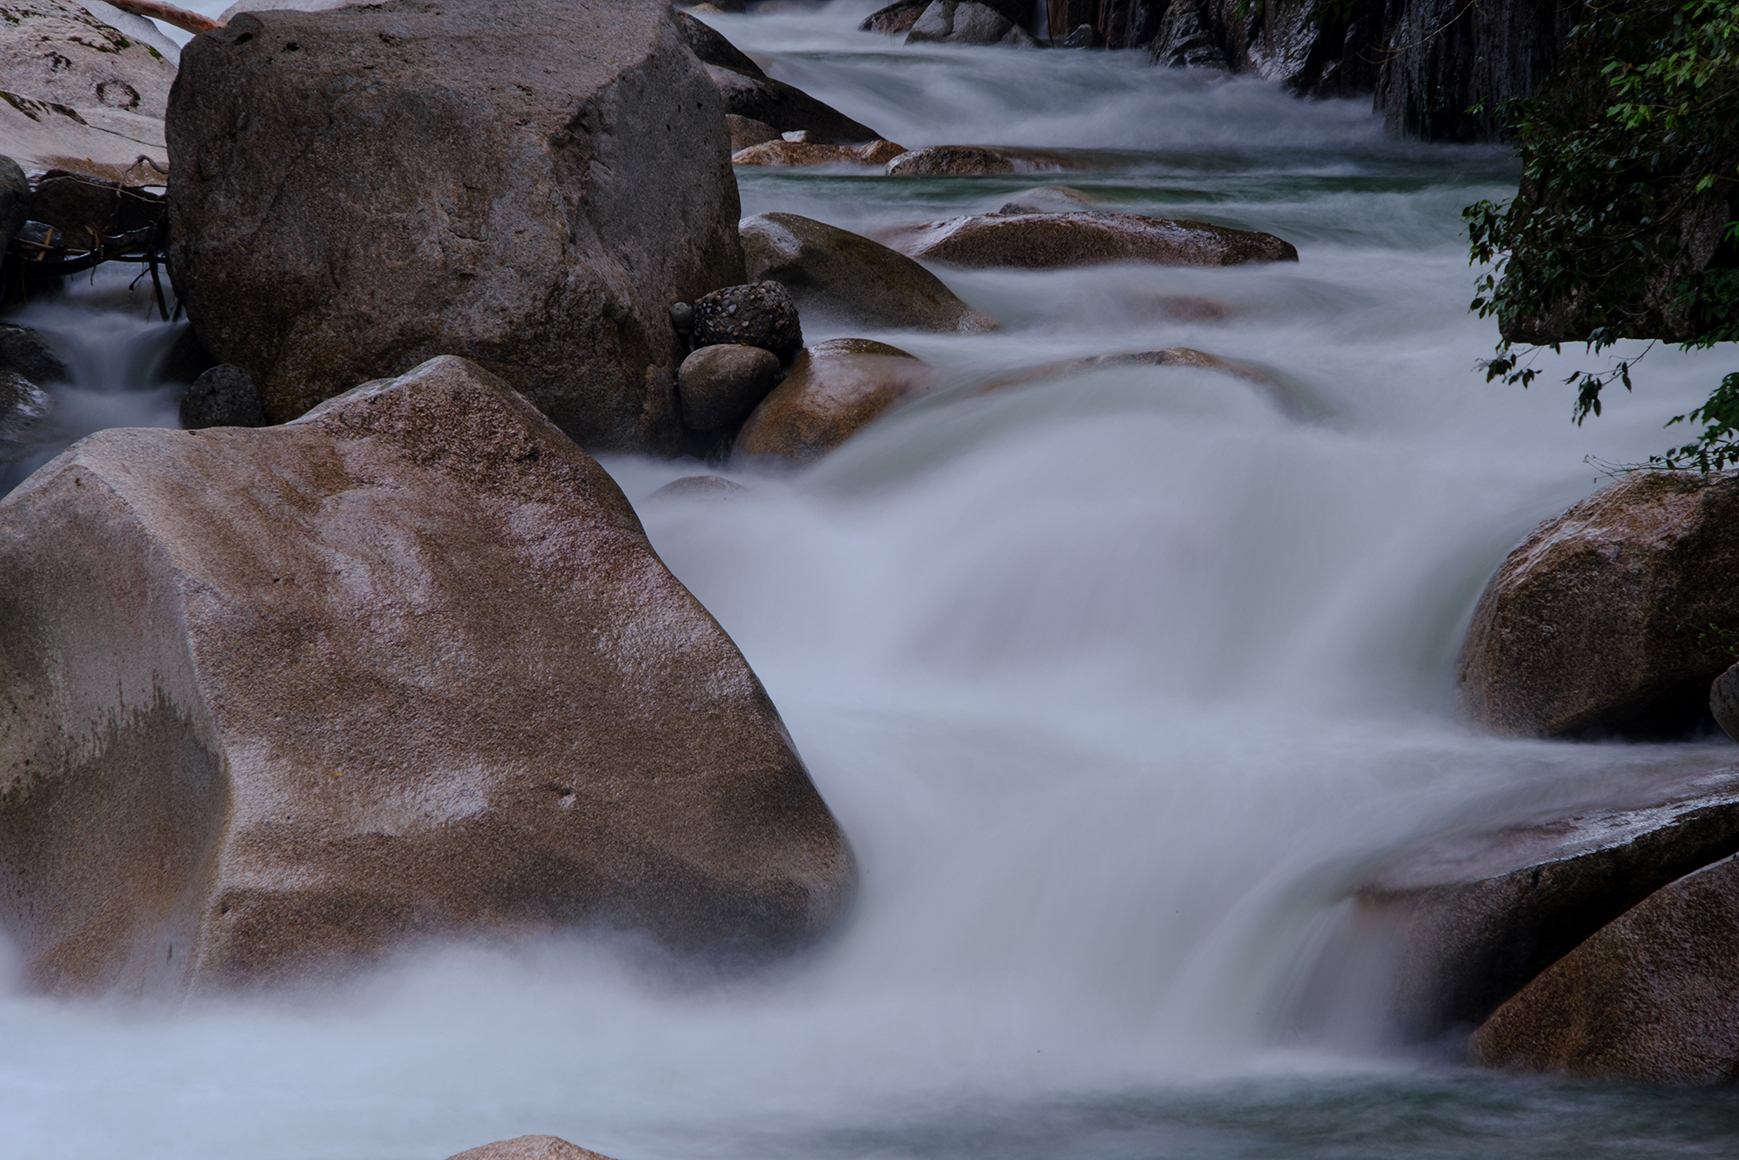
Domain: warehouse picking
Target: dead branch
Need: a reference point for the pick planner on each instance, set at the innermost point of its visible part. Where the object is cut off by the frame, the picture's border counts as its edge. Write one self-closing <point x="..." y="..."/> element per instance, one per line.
<point x="168" y="14"/>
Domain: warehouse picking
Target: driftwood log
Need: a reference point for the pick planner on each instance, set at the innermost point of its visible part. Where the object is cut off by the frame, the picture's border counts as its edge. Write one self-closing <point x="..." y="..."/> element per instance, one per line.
<point x="168" y="14"/>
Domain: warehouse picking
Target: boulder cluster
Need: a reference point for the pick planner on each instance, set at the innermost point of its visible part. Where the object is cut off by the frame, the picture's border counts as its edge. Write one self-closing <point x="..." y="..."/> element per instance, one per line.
<point x="372" y="651"/>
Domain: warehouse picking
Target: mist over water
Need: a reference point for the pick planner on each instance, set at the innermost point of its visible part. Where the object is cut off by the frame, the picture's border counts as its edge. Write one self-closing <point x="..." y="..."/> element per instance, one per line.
<point x="1114" y="680"/>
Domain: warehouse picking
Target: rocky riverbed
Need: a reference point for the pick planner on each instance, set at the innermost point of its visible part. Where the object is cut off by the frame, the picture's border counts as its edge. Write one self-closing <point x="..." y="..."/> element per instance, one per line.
<point x="722" y="566"/>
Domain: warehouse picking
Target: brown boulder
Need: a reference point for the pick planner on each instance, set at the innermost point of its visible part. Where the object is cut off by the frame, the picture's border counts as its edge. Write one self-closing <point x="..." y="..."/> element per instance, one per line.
<point x="1652" y="997"/>
<point x="721" y="384"/>
<point x="746" y="131"/>
<point x="280" y="700"/>
<point x="529" y="1148"/>
<point x="1049" y="241"/>
<point x="967" y="22"/>
<point x="528" y="185"/>
<point x="1466" y="917"/>
<point x="972" y="161"/>
<point x="832" y="390"/>
<point x="1612" y="618"/>
<point x="837" y="274"/>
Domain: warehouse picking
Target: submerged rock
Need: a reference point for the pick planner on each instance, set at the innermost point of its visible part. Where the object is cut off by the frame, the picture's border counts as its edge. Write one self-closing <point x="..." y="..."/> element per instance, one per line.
<point x="1176" y="356"/>
<point x="833" y="390"/>
<point x="224" y="396"/>
<point x="721" y="384"/>
<point x="794" y="154"/>
<point x="966" y="22"/>
<point x="699" y="487"/>
<point x="847" y="277"/>
<point x="759" y="314"/>
<point x="524" y="184"/>
<point x="529" y="1148"/>
<point x="280" y="700"/>
<point x="1653" y="997"/>
<point x="971" y="161"/>
<point x="1048" y="241"/>
<point x="1612" y="618"/>
<point x="1470" y="915"/>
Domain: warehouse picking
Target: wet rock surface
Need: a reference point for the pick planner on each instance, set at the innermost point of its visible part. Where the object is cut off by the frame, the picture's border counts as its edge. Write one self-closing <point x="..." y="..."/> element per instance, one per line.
<point x="750" y="93"/>
<point x="839" y="275"/>
<point x="831" y="391"/>
<point x="759" y="314"/>
<point x="526" y="185"/>
<point x="406" y="667"/>
<point x="224" y="396"/>
<point x="1470" y="915"/>
<point x="793" y="154"/>
<point x="14" y="200"/>
<point x="972" y="161"/>
<point x="721" y="384"/>
<point x="23" y="352"/>
<point x="87" y="208"/>
<point x="709" y="487"/>
<point x="1653" y="997"/>
<point x="1050" y="241"/>
<point x="529" y="1148"/>
<point x="1176" y="356"/>
<point x="79" y="92"/>
<point x="1613" y="618"/>
<point x="966" y="22"/>
<point x="23" y="407"/>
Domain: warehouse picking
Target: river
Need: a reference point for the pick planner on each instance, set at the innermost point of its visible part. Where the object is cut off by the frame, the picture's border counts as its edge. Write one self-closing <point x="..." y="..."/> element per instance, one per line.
<point x="1115" y="681"/>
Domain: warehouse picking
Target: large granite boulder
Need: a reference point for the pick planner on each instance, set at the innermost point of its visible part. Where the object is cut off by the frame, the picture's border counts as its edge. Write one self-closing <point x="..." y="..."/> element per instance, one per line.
<point x="76" y="92"/>
<point x="845" y="277"/>
<point x="1651" y="997"/>
<point x="832" y="391"/>
<point x="1612" y="618"/>
<point x="528" y="185"/>
<point x="1464" y="918"/>
<point x="1050" y="241"/>
<point x="279" y="700"/>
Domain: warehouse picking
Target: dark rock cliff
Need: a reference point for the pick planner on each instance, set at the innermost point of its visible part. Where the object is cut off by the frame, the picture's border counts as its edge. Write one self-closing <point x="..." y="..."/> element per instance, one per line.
<point x="1426" y="63"/>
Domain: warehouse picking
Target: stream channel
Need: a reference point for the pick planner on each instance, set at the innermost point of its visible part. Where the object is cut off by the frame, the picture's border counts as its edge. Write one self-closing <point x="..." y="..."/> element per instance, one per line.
<point x="1115" y="681"/>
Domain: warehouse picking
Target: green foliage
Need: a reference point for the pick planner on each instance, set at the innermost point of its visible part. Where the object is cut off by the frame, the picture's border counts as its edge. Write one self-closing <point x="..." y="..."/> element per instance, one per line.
<point x="1623" y="226"/>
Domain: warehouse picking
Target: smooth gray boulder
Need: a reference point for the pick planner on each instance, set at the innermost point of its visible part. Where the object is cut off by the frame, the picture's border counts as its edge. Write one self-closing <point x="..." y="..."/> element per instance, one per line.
<point x="845" y="277"/>
<point x="224" y="396"/>
<point x="1468" y="916"/>
<point x="1612" y="618"/>
<point x="527" y="185"/>
<point x="280" y="701"/>
<point x="721" y="384"/>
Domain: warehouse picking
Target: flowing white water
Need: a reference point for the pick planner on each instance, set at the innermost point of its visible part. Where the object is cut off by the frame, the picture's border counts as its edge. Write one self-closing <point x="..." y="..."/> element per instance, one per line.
<point x="1113" y="680"/>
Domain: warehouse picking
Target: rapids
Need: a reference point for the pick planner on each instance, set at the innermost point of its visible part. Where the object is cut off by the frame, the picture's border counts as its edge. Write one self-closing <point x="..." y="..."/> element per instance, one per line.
<point x="1114" y="680"/>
